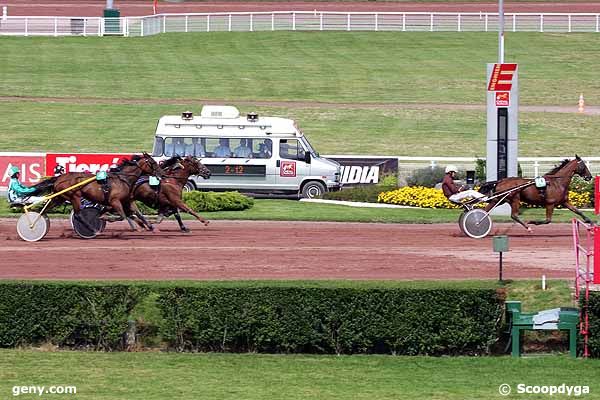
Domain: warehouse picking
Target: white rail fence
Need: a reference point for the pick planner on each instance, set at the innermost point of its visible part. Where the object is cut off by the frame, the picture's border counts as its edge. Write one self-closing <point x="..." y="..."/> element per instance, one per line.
<point x="298" y="21"/>
<point x="530" y="166"/>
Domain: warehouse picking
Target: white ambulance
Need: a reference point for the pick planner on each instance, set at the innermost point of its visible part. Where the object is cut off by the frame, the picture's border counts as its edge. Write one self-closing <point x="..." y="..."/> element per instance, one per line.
<point x="255" y="154"/>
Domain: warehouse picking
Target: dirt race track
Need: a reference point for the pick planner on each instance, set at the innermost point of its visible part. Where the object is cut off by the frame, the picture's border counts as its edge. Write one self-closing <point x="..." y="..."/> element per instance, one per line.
<point x="285" y="250"/>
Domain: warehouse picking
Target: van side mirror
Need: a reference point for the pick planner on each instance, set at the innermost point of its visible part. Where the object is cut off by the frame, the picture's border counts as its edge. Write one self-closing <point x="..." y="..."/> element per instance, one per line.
<point x="307" y="157"/>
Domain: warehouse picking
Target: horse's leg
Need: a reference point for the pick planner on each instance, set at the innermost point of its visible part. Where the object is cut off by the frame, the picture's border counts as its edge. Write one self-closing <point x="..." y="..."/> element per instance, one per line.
<point x="549" y="212"/>
<point x="118" y="208"/>
<point x="514" y="212"/>
<point x="136" y="211"/>
<point x="180" y="222"/>
<point x="576" y="211"/>
<point x="177" y="202"/>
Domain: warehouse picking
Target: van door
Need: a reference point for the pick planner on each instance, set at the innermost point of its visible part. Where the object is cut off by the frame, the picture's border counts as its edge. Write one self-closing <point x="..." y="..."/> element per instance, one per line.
<point x="291" y="164"/>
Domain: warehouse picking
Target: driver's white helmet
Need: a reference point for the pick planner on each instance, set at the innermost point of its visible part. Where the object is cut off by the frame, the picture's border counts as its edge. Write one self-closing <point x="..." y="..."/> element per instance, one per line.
<point x="451" y="168"/>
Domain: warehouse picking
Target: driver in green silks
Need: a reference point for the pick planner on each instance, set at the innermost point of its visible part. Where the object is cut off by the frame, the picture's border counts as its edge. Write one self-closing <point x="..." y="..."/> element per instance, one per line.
<point x="17" y="192"/>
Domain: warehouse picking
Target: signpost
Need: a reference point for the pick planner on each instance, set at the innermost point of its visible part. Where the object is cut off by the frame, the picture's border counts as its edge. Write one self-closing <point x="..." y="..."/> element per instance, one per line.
<point x="500" y="243"/>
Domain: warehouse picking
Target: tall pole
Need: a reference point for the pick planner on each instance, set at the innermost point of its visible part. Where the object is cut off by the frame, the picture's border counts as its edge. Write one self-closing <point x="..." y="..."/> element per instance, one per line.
<point x="109" y="4"/>
<point x="501" y="31"/>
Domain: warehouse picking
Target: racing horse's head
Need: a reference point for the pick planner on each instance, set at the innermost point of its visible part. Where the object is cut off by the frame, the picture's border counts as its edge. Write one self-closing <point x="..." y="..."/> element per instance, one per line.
<point x="195" y="167"/>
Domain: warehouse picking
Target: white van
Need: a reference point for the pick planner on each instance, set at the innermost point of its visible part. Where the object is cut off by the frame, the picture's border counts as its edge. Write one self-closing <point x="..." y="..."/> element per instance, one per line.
<point x="249" y="154"/>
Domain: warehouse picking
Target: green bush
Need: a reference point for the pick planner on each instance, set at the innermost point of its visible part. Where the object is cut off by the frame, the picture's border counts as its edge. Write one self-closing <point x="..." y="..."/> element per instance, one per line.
<point x="594" y="320"/>
<point x="66" y="314"/>
<point x="337" y="320"/>
<point x="209" y="201"/>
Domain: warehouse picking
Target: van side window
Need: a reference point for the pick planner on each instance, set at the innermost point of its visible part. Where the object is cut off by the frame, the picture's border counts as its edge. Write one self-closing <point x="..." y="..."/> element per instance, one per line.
<point x="175" y="146"/>
<point x="262" y="148"/>
<point x="291" y="149"/>
<point x="218" y="148"/>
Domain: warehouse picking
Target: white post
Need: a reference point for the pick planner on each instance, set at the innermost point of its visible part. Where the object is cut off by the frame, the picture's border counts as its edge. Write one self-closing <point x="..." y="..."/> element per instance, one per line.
<point x="597" y="23"/>
<point x="431" y="23"/>
<point x="55" y="26"/>
<point x="187" y="17"/>
<point x="142" y="27"/>
<point x="376" y="22"/>
<point x="229" y="23"/>
<point x="514" y="22"/>
<point x="208" y="23"/>
<point x="85" y="27"/>
<point x="569" y="23"/>
<point x="26" y="26"/>
<point x="458" y="22"/>
<point x="4" y="13"/>
<point x="164" y="23"/>
<point x="500" y="31"/>
<point x="251" y="22"/>
<point x="486" y="22"/>
<point x="293" y="21"/>
<point x="273" y="21"/>
<point x="348" y="22"/>
<point x="541" y="22"/>
<point x="321" y="22"/>
<point x="543" y="282"/>
<point x="403" y="22"/>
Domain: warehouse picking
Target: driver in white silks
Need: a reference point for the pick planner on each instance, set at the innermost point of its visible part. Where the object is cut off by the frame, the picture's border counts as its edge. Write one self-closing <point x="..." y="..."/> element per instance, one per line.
<point x="454" y="193"/>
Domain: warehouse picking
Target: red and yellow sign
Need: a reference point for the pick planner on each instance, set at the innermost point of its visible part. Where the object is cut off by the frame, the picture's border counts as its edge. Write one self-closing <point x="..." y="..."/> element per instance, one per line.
<point x="501" y="78"/>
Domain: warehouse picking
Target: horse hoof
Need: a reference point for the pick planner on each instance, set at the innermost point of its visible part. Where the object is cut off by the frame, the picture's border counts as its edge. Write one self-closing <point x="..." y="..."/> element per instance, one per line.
<point x="185" y="230"/>
<point x="529" y="230"/>
<point x="206" y="223"/>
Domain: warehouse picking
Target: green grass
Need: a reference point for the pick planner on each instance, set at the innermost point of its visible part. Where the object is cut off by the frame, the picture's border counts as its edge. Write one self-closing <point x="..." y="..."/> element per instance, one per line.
<point x="248" y="376"/>
<point x="533" y="298"/>
<point x="292" y="210"/>
<point x="446" y="67"/>
<point x="400" y="132"/>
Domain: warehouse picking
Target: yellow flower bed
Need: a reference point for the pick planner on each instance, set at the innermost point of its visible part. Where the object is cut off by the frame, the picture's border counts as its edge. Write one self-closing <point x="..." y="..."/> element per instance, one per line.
<point x="416" y="196"/>
<point x="419" y="196"/>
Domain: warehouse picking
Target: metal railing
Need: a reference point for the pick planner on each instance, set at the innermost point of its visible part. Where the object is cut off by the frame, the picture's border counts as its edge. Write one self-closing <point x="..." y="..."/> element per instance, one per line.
<point x="299" y="21"/>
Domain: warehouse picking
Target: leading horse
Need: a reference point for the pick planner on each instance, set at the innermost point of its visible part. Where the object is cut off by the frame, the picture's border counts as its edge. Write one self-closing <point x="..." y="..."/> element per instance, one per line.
<point x="115" y="192"/>
<point x="555" y="194"/>
<point x="167" y="197"/>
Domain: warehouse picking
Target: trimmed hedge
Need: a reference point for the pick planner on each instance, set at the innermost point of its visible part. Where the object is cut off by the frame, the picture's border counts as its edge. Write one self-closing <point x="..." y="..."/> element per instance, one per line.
<point x="253" y="316"/>
<point x="66" y="314"/>
<point x="594" y="315"/>
<point x="332" y="320"/>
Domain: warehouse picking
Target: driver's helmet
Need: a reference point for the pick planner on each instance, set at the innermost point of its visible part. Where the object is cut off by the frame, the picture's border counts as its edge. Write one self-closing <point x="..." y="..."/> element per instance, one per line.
<point x="59" y="170"/>
<point x="13" y="170"/>
<point x="451" y="168"/>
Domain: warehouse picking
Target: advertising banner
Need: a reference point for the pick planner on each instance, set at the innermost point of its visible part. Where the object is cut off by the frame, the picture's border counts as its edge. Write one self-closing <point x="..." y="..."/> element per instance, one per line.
<point x="31" y="166"/>
<point x="83" y="162"/>
<point x="358" y="170"/>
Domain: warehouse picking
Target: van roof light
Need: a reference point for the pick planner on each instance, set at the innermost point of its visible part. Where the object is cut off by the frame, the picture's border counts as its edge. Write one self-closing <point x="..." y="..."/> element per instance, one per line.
<point x="187" y="115"/>
<point x="252" y="117"/>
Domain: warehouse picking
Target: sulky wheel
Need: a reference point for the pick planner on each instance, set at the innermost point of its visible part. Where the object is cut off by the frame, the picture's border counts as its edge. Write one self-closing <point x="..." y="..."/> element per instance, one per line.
<point x="476" y="223"/>
<point x="32" y="226"/>
<point x="460" y="221"/>
<point x="87" y="223"/>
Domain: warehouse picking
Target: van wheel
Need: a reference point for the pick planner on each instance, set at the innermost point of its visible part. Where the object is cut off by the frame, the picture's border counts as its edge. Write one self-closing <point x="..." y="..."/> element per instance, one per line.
<point x="313" y="189"/>
<point x="189" y="187"/>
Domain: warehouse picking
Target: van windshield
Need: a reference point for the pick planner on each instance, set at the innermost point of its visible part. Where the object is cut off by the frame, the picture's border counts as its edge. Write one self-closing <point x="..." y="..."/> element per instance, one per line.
<point x="306" y="143"/>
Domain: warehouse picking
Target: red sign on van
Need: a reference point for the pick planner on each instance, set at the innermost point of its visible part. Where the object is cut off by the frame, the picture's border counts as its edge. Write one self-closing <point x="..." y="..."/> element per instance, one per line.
<point x="288" y="169"/>
<point x="83" y="162"/>
<point x="31" y="166"/>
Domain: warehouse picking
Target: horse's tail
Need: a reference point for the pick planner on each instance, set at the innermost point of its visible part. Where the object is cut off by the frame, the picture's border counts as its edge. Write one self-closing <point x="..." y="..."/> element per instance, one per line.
<point x="45" y="186"/>
<point x="488" y="187"/>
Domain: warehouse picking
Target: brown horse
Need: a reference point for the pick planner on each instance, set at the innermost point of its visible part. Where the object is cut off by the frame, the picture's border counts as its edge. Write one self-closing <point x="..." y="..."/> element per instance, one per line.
<point x="115" y="192"/>
<point x="167" y="198"/>
<point x="555" y="194"/>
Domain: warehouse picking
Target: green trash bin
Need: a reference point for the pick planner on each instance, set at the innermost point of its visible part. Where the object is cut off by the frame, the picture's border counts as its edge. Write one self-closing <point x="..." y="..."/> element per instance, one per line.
<point x="112" y="22"/>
